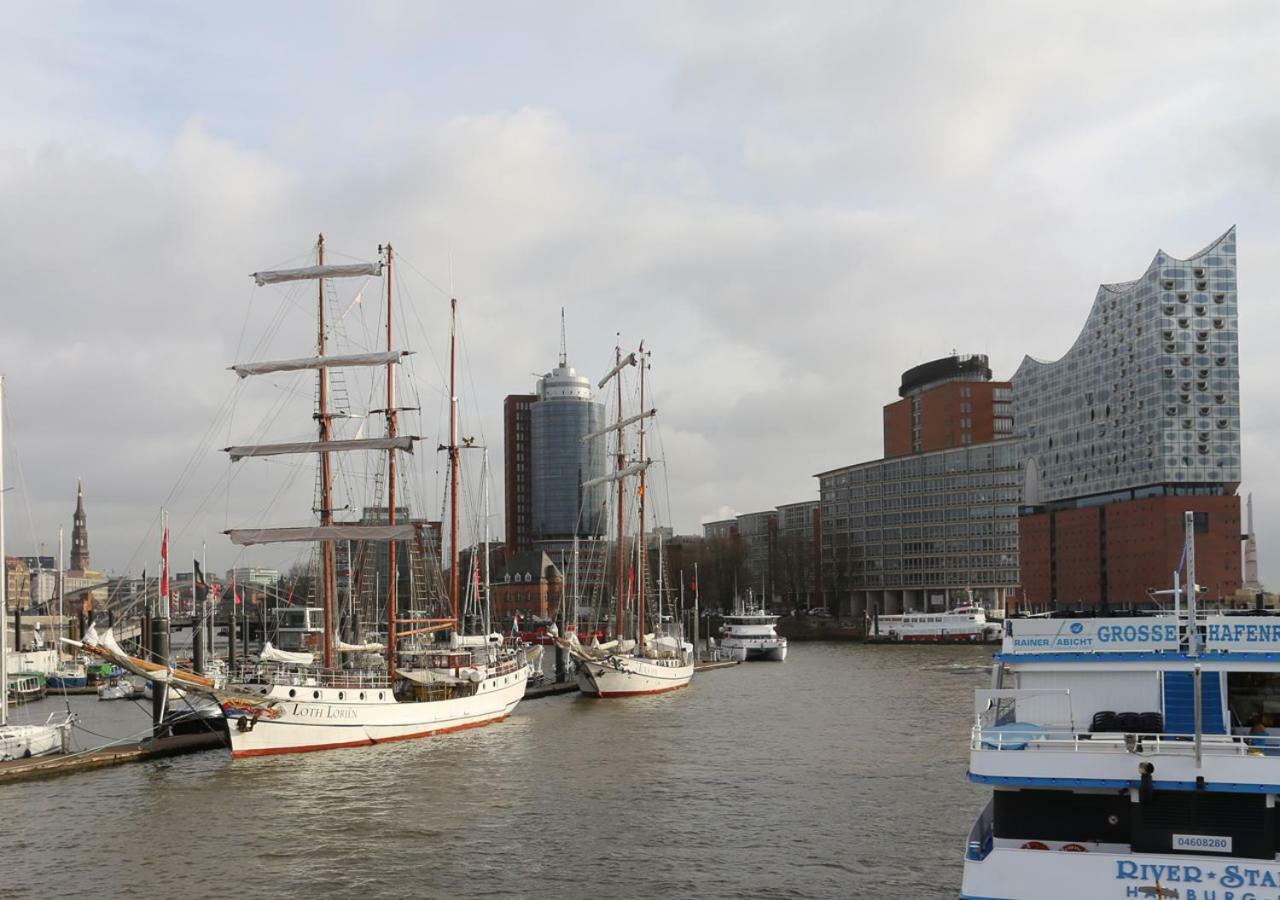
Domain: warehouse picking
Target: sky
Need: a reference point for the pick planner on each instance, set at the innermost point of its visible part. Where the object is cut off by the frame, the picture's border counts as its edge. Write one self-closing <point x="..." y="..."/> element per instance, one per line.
<point x="790" y="203"/>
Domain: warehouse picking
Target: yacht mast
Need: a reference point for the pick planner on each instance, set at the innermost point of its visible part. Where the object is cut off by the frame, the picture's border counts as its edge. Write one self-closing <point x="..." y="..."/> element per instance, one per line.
<point x="327" y="581"/>
<point x="393" y="579"/>
<point x="641" y="550"/>
<point x="453" y="465"/>
<point x="622" y="495"/>
<point x="4" y="587"/>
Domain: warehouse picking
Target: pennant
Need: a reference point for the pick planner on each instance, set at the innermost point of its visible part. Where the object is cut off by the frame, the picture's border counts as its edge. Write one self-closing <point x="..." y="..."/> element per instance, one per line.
<point x="164" y="564"/>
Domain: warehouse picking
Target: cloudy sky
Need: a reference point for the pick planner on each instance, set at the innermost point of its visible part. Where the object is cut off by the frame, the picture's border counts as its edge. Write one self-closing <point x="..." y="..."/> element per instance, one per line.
<point x="791" y="202"/>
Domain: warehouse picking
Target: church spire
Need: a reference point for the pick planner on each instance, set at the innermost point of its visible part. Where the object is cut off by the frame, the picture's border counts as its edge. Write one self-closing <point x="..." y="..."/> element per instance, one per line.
<point x="79" y="534"/>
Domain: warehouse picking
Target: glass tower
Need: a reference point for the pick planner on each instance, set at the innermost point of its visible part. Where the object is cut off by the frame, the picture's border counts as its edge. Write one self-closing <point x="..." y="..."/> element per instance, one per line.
<point x="563" y="414"/>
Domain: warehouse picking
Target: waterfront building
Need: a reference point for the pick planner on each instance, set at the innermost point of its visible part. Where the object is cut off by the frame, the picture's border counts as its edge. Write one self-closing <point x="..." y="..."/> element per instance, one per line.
<point x="719" y="530"/>
<point x="528" y="584"/>
<point x="947" y="402"/>
<point x="758" y="535"/>
<point x="1137" y="423"/>
<point x="17" y="583"/>
<point x="517" y="457"/>
<point x="935" y="523"/>
<point x="799" y="555"/>
<point x="248" y="576"/>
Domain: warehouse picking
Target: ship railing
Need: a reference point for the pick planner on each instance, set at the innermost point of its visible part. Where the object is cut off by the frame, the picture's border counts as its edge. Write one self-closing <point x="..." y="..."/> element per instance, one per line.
<point x="982" y="836"/>
<point x="1000" y="707"/>
<point x="1030" y="737"/>
<point x="297" y="676"/>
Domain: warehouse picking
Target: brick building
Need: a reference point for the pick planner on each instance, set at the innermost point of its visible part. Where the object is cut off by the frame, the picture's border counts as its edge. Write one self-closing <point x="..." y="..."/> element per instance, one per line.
<point x="948" y="402"/>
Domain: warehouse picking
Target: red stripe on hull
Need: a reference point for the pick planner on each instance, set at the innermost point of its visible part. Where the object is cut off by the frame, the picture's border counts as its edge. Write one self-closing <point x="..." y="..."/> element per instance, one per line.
<point x="638" y="693"/>
<point x="310" y="748"/>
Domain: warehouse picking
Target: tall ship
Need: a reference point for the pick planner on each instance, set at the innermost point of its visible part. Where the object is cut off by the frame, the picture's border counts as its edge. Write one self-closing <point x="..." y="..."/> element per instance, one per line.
<point x="647" y="653"/>
<point x="1130" y="757"/>
<point x="434" y="677"/>
<point x="751" y="632"/>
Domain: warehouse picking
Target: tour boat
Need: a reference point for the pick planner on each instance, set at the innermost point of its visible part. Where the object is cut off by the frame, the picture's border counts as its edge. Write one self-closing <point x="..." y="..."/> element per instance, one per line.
<point x="294" y="703"/>
<point x="751" y="633"/>
<point x="1130" y="757"/>
<point x="18" y="741"/>
<point x="69" y="674"/>
<point x="117" y="687"/>
<point x="649" y="662"/>
<point x="962" y="625"/>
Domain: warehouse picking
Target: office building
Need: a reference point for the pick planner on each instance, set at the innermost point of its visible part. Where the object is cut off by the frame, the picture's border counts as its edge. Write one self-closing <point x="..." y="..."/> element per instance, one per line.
<point x="518" y="500"/>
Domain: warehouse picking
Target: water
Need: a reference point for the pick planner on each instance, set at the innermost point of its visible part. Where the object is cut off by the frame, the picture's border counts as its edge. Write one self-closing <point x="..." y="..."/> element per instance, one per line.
<point x="838" y="773"/>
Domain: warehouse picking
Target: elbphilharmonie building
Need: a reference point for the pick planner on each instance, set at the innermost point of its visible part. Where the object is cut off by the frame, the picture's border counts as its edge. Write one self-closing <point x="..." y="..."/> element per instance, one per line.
<point x="1137" y="422"/>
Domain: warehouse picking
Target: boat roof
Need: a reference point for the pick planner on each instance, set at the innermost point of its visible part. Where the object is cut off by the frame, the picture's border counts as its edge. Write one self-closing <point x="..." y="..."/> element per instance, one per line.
<point x="1162" y="641"/>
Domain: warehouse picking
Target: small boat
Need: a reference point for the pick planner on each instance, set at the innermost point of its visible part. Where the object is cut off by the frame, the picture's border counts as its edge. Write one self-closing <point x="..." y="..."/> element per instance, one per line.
<point x="27" y="687"/>
<point x="25" y="741"/>
<point x="751" y="633"/>
<point x="117" y="687"/>
<point x="70" y="674"/>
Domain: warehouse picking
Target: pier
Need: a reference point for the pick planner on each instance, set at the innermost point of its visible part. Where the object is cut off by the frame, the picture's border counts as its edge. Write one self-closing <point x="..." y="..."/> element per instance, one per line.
<point x="16" y="770"/>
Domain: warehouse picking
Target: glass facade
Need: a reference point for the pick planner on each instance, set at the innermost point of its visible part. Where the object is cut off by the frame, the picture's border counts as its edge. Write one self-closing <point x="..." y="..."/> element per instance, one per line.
<point x="931" y="524"/>
<point x="562" y="461"/>
<point x="1149" y="394"/>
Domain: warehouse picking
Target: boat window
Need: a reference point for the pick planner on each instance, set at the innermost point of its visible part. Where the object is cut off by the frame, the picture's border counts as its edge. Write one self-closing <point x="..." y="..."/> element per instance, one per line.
<point x="292" y="692"/>
<point x="1254" y="697"/>
<point x="362" y="695"/>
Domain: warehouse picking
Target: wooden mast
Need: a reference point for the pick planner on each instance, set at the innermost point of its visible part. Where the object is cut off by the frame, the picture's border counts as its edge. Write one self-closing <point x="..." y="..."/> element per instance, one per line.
<point x="327" y="579"/>
<point x="622" y="495"/>
<point x="392" y="575"/>
<point x="642" y="562"/>
<point x="453" y="465"/>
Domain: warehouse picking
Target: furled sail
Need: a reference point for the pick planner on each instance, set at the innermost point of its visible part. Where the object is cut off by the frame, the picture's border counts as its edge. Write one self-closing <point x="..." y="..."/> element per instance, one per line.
<point x="276" y="655"/>
<point x="246" y="537"/>
<point x="343" y="647"/>
<point x="624" y="472"/>
<point x="402" y="442"/>
<point x="618" y="426"/>
<point x="354" y="270"/>
<point x="628" y="360"/>
<point x="320" y="362"/>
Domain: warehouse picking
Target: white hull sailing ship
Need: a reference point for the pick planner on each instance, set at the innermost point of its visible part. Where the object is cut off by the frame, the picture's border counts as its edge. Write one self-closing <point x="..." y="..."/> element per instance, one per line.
<point x="21" y="741"/>
<point x="293" y="706"/>
<point x="650" y="662"/>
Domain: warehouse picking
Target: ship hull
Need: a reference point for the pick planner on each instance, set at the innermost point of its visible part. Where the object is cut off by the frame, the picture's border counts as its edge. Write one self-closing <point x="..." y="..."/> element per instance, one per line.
<point x="771" y="651"/>
<point x="629" y="676"/>
<point x="330" y="719"/>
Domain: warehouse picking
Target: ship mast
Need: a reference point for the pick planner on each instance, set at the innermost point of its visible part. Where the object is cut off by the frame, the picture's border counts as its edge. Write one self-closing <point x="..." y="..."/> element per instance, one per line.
<point x="327" y="579"/>
<point x="622" y="494"/>
<point x="453" y="464"/>
<point x="642" y="561"/>
<point x="392" y="575"/>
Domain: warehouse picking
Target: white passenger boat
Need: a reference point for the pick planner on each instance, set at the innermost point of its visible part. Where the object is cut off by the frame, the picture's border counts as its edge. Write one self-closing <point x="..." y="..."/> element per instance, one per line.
<point x="117" y="687"/>
<point x="962" y="625"/>
<point x="751" y="633"/>
<point x="1130" y="757"/>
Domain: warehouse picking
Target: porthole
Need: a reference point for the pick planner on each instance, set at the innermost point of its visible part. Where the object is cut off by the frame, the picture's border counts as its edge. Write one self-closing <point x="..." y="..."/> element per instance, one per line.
<point x="341" y="695"/>
<point x="315" y="695"/>
<point x="362" y="695"/>
<point x="292" y="692"/>
<point x="379" y="695"/>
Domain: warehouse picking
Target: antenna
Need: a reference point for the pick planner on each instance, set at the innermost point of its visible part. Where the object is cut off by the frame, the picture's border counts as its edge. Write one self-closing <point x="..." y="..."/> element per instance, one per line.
<point x="564" y="355"/>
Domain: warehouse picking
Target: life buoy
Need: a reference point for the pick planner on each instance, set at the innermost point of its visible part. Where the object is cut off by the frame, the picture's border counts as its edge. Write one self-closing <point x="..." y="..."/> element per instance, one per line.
<point x="1035" y="845"/>
<point x="1075" y="848"/>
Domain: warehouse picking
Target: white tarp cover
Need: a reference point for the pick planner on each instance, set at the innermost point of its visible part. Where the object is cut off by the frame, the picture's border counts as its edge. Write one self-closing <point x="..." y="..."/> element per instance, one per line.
<point x="319" y="362"/>
<point x="311" y="272"/>
<point x="426" y="676"/>
<point x="276" y="655"/>
<point x="246" y="537"/>
<point x="344" y="647"/>
<point x="404" y="442"/>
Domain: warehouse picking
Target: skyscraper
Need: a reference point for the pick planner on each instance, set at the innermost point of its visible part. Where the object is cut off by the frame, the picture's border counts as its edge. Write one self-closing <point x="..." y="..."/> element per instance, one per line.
<point x="1137" y="423"/>
<point x="563" y="414"/>
<point x="517" y="455"/>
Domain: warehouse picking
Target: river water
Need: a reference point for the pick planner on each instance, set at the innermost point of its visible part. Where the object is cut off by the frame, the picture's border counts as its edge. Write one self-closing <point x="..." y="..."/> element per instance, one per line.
<point x="839" y="773"/>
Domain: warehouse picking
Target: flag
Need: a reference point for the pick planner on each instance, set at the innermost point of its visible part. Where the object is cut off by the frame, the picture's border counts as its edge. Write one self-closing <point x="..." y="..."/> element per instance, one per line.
<point x="235" y="596"/>
<point x="164" y="564"/>
<point x="289" y="600"/>
<point x="201" y="588"/>
<point x="515" y="624"/>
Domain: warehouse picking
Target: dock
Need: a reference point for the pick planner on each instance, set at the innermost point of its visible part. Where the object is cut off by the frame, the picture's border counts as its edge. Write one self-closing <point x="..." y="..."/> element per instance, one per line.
<point x="712" y="664"/>
<point x="15" y="770"/>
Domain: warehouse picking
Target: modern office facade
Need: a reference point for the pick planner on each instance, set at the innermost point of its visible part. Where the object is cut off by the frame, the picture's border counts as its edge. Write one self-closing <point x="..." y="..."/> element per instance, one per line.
<point x="562" y="416"/>
<point x="1138" y="423"/>
<point x="798" y="568"/>
<point x="922" y="532"/>
<point x="517" y="459"/>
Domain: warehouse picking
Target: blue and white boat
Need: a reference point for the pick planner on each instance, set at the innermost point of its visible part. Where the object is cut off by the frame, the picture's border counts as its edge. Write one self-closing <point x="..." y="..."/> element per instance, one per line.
<point x="1130" y="757"/>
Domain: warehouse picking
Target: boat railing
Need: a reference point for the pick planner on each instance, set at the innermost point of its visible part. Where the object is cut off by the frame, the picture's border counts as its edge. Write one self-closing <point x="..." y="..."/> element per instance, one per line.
<point x="1031" y="737"/>
<point x="1000" y="707"/>
<point x="982" y="835"/>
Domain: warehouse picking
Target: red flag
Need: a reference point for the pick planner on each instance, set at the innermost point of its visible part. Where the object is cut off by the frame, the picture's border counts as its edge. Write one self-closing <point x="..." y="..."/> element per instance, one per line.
<point x="235" y="595"/>
<point x="631" y="580"/>
<point x="164" y="563"/>
<point x="289" y="600"/>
